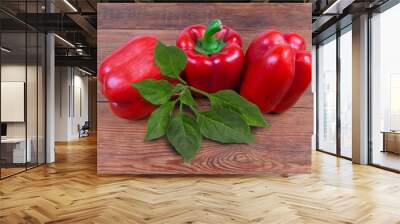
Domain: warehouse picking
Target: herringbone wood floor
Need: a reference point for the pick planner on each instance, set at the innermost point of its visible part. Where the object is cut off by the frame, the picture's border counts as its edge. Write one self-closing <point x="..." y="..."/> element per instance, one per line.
<point x="69" y="191"/>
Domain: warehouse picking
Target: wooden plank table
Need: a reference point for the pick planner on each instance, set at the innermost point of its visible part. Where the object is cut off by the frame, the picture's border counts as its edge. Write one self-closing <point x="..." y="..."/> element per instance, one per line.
<point x="284" y="148"/>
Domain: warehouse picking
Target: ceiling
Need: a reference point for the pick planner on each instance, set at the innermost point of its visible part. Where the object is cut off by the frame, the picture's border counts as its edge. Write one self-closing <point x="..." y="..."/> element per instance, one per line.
<point x="75" y="21"/>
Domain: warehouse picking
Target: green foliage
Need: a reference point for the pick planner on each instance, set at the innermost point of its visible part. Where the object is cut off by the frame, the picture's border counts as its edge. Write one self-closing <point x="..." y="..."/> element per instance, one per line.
<point x="159" y="120"/>
<point x="249" y="111"/>
<point x="155" y="91"/>
<point x="224" y="126"/>
<point x="228" y="120"/>
<point x="187" y="98"/>
<point x="184" y="135"/>
<point x="170" y="59"/>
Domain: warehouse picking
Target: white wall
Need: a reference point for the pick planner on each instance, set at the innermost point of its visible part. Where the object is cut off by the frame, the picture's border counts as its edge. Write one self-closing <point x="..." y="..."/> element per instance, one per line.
<point x="62" y="81"/>
<point x="71" y="102"/>
<point x="17" y="73"/>
<point x="80" y="110"/>
<point x="14" y="72"/>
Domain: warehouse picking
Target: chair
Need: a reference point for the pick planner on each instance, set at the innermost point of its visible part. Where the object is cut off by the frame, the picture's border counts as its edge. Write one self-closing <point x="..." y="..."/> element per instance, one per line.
<point x="84" y="130"/>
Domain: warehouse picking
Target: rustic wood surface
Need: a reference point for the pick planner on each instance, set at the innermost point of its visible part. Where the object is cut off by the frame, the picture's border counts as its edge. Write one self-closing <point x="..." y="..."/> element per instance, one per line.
<point x="284" y="148"/>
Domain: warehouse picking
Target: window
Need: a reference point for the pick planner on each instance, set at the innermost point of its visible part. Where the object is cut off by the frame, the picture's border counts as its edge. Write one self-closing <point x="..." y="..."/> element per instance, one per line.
<point x="335" y="74"/>
<point x="22" y="77"/>
<point x="327" y="96"/>
<point x="385" y="89"/>
<point x="346" y="75"/>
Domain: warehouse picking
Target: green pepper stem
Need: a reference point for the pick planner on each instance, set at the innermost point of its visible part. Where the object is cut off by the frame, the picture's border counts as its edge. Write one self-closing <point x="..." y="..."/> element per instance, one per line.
<point x="180" y="106"/>
<point x="199" y="91"/>
<point x="212" y="28"/>
<point x="209" y="44"/>
<point x="193" y="88"/>
<point x="182" y="81"/>
<point x="194" y="110"/>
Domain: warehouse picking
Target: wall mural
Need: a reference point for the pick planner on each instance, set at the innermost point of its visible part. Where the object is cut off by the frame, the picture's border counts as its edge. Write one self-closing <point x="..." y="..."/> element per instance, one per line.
<point x="204" y="89"/>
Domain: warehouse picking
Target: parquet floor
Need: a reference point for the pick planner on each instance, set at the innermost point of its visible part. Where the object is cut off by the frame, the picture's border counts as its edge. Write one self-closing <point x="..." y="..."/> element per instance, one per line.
<point x="69" y="191"/>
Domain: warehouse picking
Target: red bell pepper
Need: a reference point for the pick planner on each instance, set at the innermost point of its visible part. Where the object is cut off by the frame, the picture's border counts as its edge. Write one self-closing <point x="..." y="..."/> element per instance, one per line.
<point x="295" y="41"/>
<point x="278" y="71"/>
<point x="131" y="63"/>
<point x="262" y="43"/>
<point x="302" y="80"/>
<point x="215" y="56"/>
<point x="269" y="77"/>
<point x="303" y="72"/>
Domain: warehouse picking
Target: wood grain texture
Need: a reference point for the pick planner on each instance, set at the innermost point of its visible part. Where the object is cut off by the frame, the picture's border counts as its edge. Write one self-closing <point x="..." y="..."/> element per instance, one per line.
<point x="284" y="148"/>
<point x="256" y="16"/>
<point x="122" y="148"/>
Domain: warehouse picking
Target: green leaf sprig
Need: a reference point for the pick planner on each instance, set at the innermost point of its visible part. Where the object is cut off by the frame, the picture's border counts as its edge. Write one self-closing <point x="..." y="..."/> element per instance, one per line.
<point x="227" y="121"/>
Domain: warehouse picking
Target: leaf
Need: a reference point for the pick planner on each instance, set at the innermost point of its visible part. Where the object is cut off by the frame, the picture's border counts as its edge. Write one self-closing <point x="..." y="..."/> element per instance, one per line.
<point x="224" y="126"/>
<point x="179" y="87"/>
<point x="170" y="59"/>
<point x="187" y="98"/>
<point x="158" y="121"/>
<point x="183" y="133"/>
<point x="249" y="111"/>
<point x="155" y="91"/>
